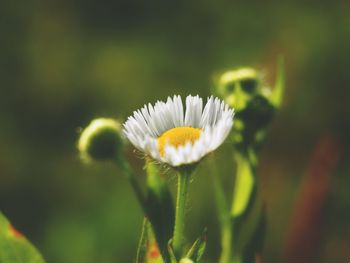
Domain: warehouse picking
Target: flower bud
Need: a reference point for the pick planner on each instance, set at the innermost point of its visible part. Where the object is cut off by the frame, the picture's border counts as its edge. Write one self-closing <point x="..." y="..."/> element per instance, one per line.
<point x="253" y="101"/>
<point x="186" y="260"/>
<point x="237" y="87"/>
<point x="101" y="140"/>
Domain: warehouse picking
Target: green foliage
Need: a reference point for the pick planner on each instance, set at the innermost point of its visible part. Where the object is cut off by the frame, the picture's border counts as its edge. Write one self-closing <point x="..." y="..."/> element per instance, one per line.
<point x="148" y="250"/>
<point x="171" y="252"/>
<point x="141" y="253"/>
<point x="245" y="185"/>
<point x="224" y="216"/>
<point x="63" y="66"/>
<point x="278" y="90"/>
<point x="253" y="244"/>
<point x="159" y="207"/>
<point x="196" y="252"/>
<point x="14" y="247"/>
<point x="239" y="225"/>
<point x="255" y="105"/>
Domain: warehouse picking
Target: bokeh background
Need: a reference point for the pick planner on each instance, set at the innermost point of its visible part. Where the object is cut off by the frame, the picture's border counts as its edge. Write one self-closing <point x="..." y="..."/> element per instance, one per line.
<point x="63" y="63"/>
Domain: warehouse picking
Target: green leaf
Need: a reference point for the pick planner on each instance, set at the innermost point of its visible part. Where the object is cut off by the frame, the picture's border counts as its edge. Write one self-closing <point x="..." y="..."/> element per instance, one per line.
<point x="160" y="207"/>
<point x="14" y="247"/>
<point x="246" y="221"/>
<point x="197" y="250"/>
<point x="244" y="186"/>
<point x="171" y="252"/>
<point x="148" y="250"/>
<point x="142" y="247"/>
<point x="277" y="93"/>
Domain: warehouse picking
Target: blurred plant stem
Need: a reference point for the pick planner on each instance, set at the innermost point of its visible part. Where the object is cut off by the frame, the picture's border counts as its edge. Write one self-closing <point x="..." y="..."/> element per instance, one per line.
<point x="156" y="202"/>
<point x="223" y="215"/>
<point x="239" y="223"/>
<point x="160" y="207"/>
<point x="242" y="227"/>
<point x="182" y="188"/>
<point x="131" y="176"/>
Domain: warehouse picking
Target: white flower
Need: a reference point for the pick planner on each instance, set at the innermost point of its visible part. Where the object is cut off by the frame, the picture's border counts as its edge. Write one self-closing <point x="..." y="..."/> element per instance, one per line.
<point x="172" y="135"/>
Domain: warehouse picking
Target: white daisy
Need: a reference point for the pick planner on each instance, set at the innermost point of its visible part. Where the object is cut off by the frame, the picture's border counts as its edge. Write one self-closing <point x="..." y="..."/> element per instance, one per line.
<point x="172" y="135"/>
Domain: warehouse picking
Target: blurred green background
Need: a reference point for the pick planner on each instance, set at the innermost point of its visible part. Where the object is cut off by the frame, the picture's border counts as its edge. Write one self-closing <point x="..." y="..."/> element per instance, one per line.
<point x="63" y="63"/>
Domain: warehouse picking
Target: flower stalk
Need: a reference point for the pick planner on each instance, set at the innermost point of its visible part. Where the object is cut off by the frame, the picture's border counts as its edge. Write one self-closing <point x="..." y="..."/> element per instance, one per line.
<point x="130" y="175"/>
<point x="179" y="228"/>
<point x="242" y="225"/>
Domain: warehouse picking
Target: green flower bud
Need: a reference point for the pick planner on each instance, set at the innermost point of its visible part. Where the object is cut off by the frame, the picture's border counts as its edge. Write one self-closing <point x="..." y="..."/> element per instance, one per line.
<point x="252" y="122"/>
<point x="101" y="140"/>
<point x="237" y="87"/>
<point x="186" y="260"/>
<point x="254" y="103"/>
<point x="257" y="114"/>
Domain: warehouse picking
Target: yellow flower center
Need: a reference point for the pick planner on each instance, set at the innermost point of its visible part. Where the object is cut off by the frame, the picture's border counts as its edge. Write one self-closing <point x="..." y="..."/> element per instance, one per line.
<point x="177" y="136"/>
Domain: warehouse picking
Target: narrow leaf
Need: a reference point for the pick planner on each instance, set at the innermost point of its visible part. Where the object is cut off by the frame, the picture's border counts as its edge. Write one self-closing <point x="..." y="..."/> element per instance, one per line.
<point x="153" y="252"/>
<point x="171" y="252"/>
<point x="148" y="250"/>
<point x="244" y="186"/>
<point x="277" y="93"/>
<point x="14" y="247"/>
<point x="197" y="250"/>
<point x="142" y="247"/>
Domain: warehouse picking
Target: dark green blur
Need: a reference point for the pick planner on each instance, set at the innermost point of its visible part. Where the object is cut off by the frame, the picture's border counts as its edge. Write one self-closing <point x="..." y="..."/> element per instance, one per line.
<point x="63" y="63"/>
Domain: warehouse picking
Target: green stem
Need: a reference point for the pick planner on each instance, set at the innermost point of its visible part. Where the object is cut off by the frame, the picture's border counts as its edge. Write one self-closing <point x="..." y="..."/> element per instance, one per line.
<point x="178" y="237"/>
<point x="223" y="211"/>
<point x="226" y="237"/>
<point x="134" y="184"/>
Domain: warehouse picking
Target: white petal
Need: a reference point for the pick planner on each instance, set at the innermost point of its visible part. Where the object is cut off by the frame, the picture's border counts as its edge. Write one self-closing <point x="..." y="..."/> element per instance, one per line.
<point x="193" y="114"/>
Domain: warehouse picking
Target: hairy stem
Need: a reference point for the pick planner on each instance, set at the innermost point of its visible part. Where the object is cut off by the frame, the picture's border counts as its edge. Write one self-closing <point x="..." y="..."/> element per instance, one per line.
<point x="178" y="237"/>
